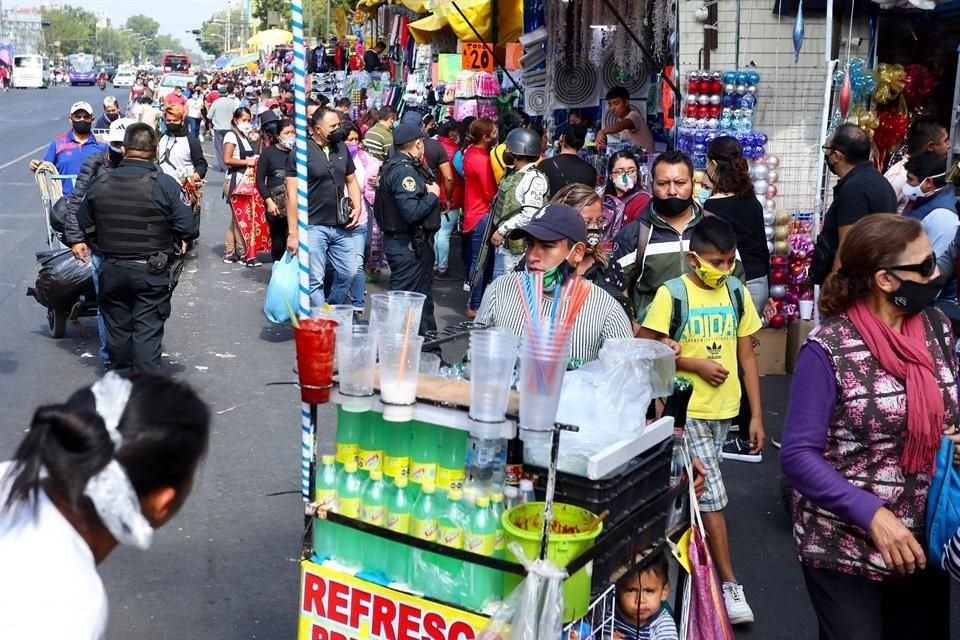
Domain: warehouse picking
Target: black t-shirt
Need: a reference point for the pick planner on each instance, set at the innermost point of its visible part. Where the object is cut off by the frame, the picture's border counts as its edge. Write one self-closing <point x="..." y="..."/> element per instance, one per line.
<point x="566" y="168"/>
<point x="326" y="180"/>
<point x="271" y="169"/>
<point x="745" y="215"/>
<point x="371" y="61"/>
<point x="859" y="193"/>
<point x="434" y="154"/>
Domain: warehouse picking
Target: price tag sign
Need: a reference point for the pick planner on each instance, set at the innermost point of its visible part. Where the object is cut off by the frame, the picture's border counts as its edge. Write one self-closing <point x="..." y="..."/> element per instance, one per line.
<point x="476" y="56"/>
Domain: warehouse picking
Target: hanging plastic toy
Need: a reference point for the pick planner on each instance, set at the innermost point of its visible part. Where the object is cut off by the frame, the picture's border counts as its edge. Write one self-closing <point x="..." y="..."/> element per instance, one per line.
<point x="798" y="33"/>
<point x="845" y="94"/>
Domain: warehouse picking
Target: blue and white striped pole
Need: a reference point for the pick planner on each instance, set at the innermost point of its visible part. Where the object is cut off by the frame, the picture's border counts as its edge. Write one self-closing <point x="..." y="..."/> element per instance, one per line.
<point x="303" y="311"/>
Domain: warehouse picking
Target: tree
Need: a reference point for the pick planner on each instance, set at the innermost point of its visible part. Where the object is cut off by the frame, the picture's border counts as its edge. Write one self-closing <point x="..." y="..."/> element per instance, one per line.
<point x="315" y="16"/>
<point x="215" y="36"/>
<point x="72" y="27"/>
<point x="144" y="25"/>
<point x="263" y="10"/>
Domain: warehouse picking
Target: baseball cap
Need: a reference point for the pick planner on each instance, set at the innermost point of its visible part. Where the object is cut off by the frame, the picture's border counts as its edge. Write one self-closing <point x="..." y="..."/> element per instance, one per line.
<point x="249" y="91"/>
<point x="81" y="106"/>
<point x="118" y="128"/>
<point x="109" y="101"/>
<point x="554" y="222"/>
<point x="406" y="132"/>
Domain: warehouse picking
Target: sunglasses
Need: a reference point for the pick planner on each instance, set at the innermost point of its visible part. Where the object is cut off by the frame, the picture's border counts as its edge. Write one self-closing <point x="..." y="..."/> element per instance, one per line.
<point x="925" y="268"/>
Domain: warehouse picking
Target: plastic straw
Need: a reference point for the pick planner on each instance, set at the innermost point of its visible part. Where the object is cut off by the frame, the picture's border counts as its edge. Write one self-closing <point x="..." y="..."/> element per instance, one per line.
<point x="406" y="345"/>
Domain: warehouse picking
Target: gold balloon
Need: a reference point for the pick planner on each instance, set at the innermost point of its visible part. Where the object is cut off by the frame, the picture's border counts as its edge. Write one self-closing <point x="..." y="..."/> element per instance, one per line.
<point x="781" y="248"/>
<point x="783" y="217"/>
<point x="782" y="232"/>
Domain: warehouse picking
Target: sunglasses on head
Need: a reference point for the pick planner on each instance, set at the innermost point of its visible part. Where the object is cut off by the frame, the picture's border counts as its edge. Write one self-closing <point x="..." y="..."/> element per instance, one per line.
<point x="925" y="268"/>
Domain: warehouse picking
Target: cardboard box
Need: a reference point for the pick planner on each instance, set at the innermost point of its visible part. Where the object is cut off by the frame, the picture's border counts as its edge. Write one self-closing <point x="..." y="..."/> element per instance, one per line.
<point x="797" y="334"/>
<point x="770" y="348"/>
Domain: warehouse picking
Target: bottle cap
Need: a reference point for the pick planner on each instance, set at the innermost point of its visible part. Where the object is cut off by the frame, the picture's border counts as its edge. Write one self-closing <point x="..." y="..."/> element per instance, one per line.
<point x="328" y="459"/>
<point x="376" y="475"/>
<point x="526" y="485"/>
<point x="496" y="497"/>
<point x="401" y="482"/>
<point x="428" y="487"/>
<point x="350" y="467"/>
<point x="483" y="502"/>
<point x="454" y="495"/>
<point x="510" y="491"/>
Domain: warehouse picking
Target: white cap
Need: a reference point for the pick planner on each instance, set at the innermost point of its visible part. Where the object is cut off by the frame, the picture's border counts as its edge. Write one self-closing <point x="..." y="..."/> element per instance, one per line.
<point x="109" y="101"/>
<point x="118" y="128"/>
<point x="81" y="106"/>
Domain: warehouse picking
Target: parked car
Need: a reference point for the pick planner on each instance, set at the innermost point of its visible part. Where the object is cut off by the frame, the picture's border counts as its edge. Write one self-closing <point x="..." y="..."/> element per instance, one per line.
<point x="124" y="79"/>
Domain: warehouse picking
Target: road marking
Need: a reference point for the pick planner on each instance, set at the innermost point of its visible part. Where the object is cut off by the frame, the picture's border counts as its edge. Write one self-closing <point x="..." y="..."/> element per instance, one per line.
<point x="23" y="157"/>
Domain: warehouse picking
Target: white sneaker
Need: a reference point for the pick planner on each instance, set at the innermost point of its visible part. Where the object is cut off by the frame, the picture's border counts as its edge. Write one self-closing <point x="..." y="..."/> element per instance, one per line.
<point x="738" y="610"/>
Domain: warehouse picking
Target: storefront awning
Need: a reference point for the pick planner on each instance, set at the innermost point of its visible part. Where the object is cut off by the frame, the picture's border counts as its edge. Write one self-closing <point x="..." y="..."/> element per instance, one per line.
<point x="417" y="6"/>
<point x="423" y="29"/>
<point x="474" y="12"/>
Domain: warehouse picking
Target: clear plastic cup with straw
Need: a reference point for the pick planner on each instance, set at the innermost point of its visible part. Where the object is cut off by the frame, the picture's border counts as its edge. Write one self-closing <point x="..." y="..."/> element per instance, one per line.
<point x="342" y="313"/>
<point x="399" y="367"/>
<point x="543" y="361"/>
<point x="390" y="313"/>
<point x="493" y="354"/>
<point x="357" y="358"/>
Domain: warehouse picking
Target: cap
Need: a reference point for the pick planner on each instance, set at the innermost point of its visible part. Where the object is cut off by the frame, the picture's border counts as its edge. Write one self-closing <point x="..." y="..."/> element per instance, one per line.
<point x="81" y="106"/>
<point x="118" y="128"/>
<point x="554" y="222"/>
<point x="109" y="101"/>
<point x="405" y="133"/>
<point x="328" y="460"/>
<point x="249" y="91"/>
<point x="267" y="117"/>
<point x="483" y="502"/>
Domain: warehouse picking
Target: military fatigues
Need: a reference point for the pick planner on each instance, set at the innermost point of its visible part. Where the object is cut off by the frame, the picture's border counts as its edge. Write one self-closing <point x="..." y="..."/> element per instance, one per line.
<point x="135" y="216"/>
<point x="409" y="216"/>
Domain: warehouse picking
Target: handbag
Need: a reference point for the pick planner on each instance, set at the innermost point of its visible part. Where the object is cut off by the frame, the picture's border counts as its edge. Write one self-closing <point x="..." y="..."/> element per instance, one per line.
<point x="943" y="504"/>
<point x="704" y="612"/>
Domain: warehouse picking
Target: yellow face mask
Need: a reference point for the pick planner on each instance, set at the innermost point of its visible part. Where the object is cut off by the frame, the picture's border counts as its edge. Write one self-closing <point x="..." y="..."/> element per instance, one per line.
<point x="710" y="275"/>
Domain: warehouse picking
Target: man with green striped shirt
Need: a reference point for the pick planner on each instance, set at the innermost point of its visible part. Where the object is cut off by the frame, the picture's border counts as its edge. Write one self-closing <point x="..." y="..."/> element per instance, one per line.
<point x="379" y="139"/>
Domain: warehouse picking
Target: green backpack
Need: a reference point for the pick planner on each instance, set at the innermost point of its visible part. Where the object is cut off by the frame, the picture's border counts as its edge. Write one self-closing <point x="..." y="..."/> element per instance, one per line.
<point x="680" y="312"/>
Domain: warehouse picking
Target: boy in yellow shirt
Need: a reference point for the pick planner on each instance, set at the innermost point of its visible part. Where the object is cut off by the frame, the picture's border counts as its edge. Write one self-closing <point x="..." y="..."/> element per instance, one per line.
<point x="709" y="314"/>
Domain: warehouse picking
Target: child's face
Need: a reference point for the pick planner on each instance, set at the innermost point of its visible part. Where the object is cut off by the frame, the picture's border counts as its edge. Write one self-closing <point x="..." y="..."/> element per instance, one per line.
<point x="716" y="265"/>
<point x="640" y="597"/>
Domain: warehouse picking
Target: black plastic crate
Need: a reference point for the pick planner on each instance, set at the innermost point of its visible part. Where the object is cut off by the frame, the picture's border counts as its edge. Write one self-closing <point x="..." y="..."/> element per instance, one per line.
<point x="645" y="478"/>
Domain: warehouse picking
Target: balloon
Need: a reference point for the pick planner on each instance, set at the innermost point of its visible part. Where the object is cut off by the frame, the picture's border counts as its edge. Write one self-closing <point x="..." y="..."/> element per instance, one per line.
<point x="716" y="86"/>
<point x="769" y="247"/>
<point x="770" y="203"/>
<point x="778" y="321"/>
<point x="753" y="77"/>
<point x="741" y="89"/>
<point x="760" y="171"/>
<point x="783" y="217"/>
<point x="782" y="232"/>
<point x="715" y="99"/>
<point x="773" y="162"/>
<point x="703" y="99"/>
<point x="751" y="90"/>
<point x="729" y="88"/>
<point x="798" y="33"/>
<point x="691" y="98"/>
<point x="773" y="176"/>
<point x="778" y="261"/>
<point x="778" y="277"/>
<point x="772" y="191"/>
<point x="769" y="232"/>
<point x="760" y="187"/>
<point x="730" y="77"/>
<point x="769" y="218"/>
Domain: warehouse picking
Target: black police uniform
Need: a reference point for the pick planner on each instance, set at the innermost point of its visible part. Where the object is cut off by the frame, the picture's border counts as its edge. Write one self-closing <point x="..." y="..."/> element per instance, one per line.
<point x="135" y="216"/>
<point x="409" y="216"/>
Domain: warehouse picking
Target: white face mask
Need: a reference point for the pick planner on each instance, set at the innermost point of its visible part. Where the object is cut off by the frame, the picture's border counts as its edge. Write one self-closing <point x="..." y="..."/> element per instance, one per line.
<point x="244" y="127"/>
<point x="914" y="193"/>
<point x="626" y="182"/>
<point x="289" y="142"/>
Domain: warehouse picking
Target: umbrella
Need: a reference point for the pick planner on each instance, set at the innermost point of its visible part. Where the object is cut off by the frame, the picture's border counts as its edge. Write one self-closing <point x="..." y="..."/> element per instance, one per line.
<point x="270" y="38"/>
<point x="223" y="60"/>
<point x="242" y="61"/>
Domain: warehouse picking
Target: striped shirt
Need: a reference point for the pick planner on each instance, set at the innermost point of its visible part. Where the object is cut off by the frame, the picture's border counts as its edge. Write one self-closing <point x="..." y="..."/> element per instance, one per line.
<point x="951" y="556"/>
<point x="600" y="318"/>
<point x="379" y="141"/>
<point x="660" y="626"/>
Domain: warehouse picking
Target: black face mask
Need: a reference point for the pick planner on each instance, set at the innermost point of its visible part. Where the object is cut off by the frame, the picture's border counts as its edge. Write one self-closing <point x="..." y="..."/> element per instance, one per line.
<point x="112" y="116"/>
<point x="594" y="236"/>
<point x="115" y="157"/>
<point x="82" y="127"/>
<point x="335" y="136"/>
<point x="913" y="297"/>
<point x="671" y="207"/>
<point x="176" y="129"/>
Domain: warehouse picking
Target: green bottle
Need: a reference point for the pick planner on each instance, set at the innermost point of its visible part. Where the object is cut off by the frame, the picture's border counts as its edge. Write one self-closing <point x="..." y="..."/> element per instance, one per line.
<point x="373" y="510"/>
<point x="370" y="453"/>
<point x="348" y="434"/>
<point x="500" y="540"/>
<point x="325" y="494"/>
<point x="480" y="539"/>
<point x="399" y="515"/>
<point x="424" y="453"/>
<point x="396" y="459"/>
<point x="348" y="505"/>
<point x="424" y="525"/>
<point x="450" y="533"/>
<point x="451" y="469"/>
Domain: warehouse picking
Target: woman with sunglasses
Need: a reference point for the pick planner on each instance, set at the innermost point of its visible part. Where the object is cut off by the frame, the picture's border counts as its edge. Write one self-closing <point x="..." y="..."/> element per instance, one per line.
<point x="596" y="266"/>
<point x="624" y="196"/>
<point x="874" y="390"/>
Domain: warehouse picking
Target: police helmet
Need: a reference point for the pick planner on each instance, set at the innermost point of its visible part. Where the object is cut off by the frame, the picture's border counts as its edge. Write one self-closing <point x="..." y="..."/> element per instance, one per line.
<point x="523" y="142"/>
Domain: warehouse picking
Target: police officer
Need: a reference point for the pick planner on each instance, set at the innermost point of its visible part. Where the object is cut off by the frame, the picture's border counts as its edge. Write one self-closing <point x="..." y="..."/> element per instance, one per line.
<point x="136" y="217"/>
<point x="407" y="208"/>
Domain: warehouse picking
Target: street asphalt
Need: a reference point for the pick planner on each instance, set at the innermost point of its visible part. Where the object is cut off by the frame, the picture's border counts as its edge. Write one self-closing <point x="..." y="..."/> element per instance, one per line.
<point x="227" y="566"/>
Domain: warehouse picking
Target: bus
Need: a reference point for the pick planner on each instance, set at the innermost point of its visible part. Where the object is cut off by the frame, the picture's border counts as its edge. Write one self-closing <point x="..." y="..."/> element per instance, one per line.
<point x="81" y="69"/>
<point x="176" y="63"/>
<point x="31" y="72"/>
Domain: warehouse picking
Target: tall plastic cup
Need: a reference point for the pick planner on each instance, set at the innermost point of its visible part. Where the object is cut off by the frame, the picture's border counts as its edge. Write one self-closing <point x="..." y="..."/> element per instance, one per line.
<point x="316" y="345"/>
<point x="493" y="354"/>
<point x="357" y="360"/>
<point x="542" y="366"/>
<point x="391" y="312"/>
<point x="342" y="313"/>
<point x="399" y="367"/>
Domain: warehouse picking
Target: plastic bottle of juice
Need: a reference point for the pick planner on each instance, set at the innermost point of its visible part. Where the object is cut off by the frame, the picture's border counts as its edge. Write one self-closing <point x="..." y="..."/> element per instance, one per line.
<point x="396" y="459"/>
<point x="451" y="469"/>
<point x="425" y="525"/>
<point x="373" y="510"/>
<point x="348" y="505"/>
<point x="325" y="494"/>
<point x="480" y="538"/>
<point x="451" y="534"/>
<point x="370" y="453"/>
<point x="500" y="538"/>
<point x="424" y="453"/>
<point x="348" y="434"/>
<point x="399" y="515"/>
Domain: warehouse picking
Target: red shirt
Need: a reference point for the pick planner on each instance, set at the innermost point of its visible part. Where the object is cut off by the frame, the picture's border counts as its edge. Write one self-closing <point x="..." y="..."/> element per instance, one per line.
<point x="479" y="186"/>
<point x="456" y="197"/>
<point x="211" y="97"/>
<point x="173" y="98"/>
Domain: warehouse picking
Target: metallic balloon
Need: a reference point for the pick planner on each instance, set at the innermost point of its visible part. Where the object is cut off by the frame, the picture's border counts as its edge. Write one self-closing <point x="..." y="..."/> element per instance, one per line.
<point x="741" y="89"/>
<point x="703" y="99"/>
<point x="781" y="248"/>
<point x="777" y="291"/>
<point x="770" y="232"/>
<point x="773" y="176"/>
<point x="769" y="217"/>
<point x="782" y="232"/>
<point x="691" y="98"/>
<point x="715" y="99"/>
<point x="773" y="162"/>
<point x="729" y="88"/>
<point x="752" y="89"/>
<point x="760" y="172"/>
<point x="772" y="191"/>
<point x="760" y="187"/>
<point x="783" y="217"/>
<point x="770" y="247"/>
<point x="770" y="204"/>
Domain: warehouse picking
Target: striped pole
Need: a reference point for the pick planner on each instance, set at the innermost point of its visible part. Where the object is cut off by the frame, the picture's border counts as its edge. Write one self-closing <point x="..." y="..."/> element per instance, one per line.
<point x="300" y="109"/>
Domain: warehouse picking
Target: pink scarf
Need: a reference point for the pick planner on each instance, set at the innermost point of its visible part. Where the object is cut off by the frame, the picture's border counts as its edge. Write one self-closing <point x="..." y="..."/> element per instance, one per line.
<point x="906" y="357"/>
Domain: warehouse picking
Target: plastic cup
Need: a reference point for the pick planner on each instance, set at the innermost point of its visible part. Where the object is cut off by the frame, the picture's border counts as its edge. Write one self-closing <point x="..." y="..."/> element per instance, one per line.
<point x="429" y="364"/>
<point x="542" y="365"/>
<point x="389" y="312"/>
<point x="399" y="368"/>
<point x="342" y="313"/>
<point x="493" y="355"/>
<point x="316" y="345"/>
<point x="357" y="358"/>
<point x="806" y="309"/>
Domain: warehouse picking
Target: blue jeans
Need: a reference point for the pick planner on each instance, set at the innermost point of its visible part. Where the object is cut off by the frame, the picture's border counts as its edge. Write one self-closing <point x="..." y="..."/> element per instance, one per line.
<point x="441" y="246"/>
<point x="504" y="262"/>
<point x="357" y="293"/>
<point x="476" y="243"/>
<point x="337" y="245"/>
<point x="194" y="126"/>
<point x="96" y="259"/>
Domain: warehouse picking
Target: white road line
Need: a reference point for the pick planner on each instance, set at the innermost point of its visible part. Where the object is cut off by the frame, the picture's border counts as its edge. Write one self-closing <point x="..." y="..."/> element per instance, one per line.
<point x="23" y="157"/>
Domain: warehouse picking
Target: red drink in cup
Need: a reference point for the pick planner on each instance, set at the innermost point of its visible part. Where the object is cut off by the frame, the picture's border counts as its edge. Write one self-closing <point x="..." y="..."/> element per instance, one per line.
<point x="316" y="346"/>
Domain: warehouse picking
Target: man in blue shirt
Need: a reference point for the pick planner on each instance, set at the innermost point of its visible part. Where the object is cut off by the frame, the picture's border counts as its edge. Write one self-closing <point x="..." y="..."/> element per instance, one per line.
<point x="68" y="151"/>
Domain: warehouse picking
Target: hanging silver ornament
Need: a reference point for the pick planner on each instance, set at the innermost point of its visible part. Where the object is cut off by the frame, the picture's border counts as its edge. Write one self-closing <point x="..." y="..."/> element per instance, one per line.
<point x="741" y="89"/>
<point x="769" y="217"/>
<point x="773" y="162"/>
<point x="773" y="176"/>
<point x="760" y="172"/>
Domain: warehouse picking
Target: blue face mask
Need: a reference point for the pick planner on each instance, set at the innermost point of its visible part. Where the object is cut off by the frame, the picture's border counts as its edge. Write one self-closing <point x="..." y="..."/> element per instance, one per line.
<point x="703" y="195"/>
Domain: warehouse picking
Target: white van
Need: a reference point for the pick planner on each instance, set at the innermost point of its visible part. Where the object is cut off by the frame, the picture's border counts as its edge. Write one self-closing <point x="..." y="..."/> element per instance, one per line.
<point x="31" y="72"/>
